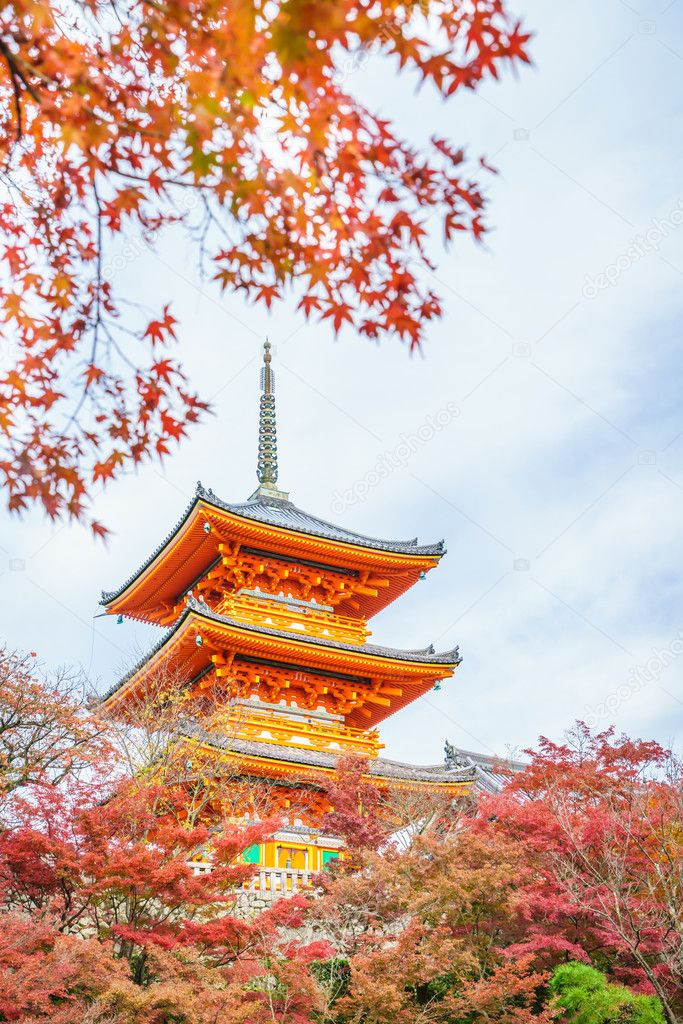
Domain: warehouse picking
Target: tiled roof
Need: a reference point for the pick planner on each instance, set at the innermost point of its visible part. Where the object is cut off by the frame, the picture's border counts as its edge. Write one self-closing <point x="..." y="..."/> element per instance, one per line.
<point x="492" y="772"/>
<point x="380" y="767"/>
<point x="422" y="654"/>
<point x="425" y="655"/>
<point x="276" y="512"/>
<point x="488" y="773"/>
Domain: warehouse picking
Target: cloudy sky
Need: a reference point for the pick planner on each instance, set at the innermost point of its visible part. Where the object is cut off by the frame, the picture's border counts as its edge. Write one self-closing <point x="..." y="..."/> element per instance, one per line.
<point x="549" y="396"/>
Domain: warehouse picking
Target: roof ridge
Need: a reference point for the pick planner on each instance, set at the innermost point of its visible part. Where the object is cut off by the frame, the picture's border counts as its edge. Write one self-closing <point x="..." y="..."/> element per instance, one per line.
<point x="266" y="502"/>
<point x="109" y="595"/>
<point x="246" y="510"/>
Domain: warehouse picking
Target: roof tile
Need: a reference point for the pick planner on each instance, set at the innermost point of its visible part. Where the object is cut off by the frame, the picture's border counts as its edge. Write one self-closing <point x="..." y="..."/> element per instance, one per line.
<point x="275" y="512"/>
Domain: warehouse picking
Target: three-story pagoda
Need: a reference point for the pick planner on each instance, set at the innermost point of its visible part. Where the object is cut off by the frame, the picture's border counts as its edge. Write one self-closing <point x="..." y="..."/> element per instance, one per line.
<point x="268" y="606"/>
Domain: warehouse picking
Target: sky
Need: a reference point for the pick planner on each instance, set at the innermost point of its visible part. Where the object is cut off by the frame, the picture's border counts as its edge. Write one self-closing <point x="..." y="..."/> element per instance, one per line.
<point x="540" y="432"/>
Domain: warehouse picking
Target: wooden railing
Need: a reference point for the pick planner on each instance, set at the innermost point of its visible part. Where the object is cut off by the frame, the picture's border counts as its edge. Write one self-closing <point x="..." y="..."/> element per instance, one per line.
<point x="269" y="883"/>
<point x="302" y="734"/>
<point x="294" y="618"/>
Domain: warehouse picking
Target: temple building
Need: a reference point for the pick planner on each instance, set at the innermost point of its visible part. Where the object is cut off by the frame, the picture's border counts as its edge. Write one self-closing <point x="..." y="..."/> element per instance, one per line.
<point x="268" y="606"/>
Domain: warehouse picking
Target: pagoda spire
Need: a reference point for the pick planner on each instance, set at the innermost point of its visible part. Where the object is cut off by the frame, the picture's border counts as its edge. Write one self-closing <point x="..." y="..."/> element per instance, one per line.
<point x="266" y="468"/>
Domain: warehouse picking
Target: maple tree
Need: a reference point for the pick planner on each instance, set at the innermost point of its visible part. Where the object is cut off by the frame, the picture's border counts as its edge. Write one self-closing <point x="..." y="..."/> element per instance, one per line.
<point x="109" y="915"/>
<point x="367" y="817"/>
<point x="109" y="918"/>
<point x="599" y="823"/>
<point x="45" y="975"/>
<point x="357" y="814"/>
<point x="421" y="931"/>
<point x="580" y="856"/>
<point x="234" y="117"/>
<point x="108" y="912"/>
<point x="159" y="742"/>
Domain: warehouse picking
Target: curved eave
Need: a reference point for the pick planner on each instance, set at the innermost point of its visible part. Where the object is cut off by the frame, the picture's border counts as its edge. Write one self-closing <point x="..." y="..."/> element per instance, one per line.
<point x="418" y="670"/>
<point x="188" y="551"/>
<point x="362" y="653"/>
<point x="278" y="760"/>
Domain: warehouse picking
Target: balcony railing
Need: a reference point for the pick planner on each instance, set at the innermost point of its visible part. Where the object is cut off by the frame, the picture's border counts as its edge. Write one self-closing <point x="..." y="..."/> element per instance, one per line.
<point x="273" y="882"/>
<point x="294" y="616"/>
<point x="267" y="883"/>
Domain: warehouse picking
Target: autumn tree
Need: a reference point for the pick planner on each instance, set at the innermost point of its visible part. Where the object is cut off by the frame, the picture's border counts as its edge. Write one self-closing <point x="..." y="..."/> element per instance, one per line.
<point x="121" y="890"/>
<point x="105" y="912"/>
<point x="46" y="733"/>
<point x="236" y="119"/>
<point x="357" y="806"/>
<point x="579" y="858"/>
<point x="48" y="976"/>
<point x="109" y="915"/>
<point x="420" y="933"/>
<point x="68" y="848"/>
<point x="162" y="736"/>
<point x="178" y="738"/>
<point x="121" y="873"/>
<point x="598" y="820"/>
<point x="419" y="917"/>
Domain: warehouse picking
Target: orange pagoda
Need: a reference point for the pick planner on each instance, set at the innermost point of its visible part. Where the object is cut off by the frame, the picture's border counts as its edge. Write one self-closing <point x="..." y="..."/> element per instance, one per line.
<point x="268" y="606"/>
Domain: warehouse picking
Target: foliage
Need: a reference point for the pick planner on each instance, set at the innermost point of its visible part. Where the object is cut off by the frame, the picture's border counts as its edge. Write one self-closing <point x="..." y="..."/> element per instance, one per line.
<point x="579" y="856"/>
<point x="599" y="819"/>
<point x="44" y="731"/>
<point x="106" y="918"/>
<point x="421" y="929"/>
<point x="156" y="739"/>
<point x="420" y="926"/>
<point x="586" y="997"/>
<point x="122" y="117"/>
<point x="105" y="863"/>
<point x="45" y="975"/>
<point x="356" y="815"/>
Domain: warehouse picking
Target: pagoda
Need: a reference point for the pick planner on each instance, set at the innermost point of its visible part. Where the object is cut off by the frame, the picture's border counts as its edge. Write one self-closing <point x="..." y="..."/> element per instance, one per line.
<point x="268" y="606"/>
